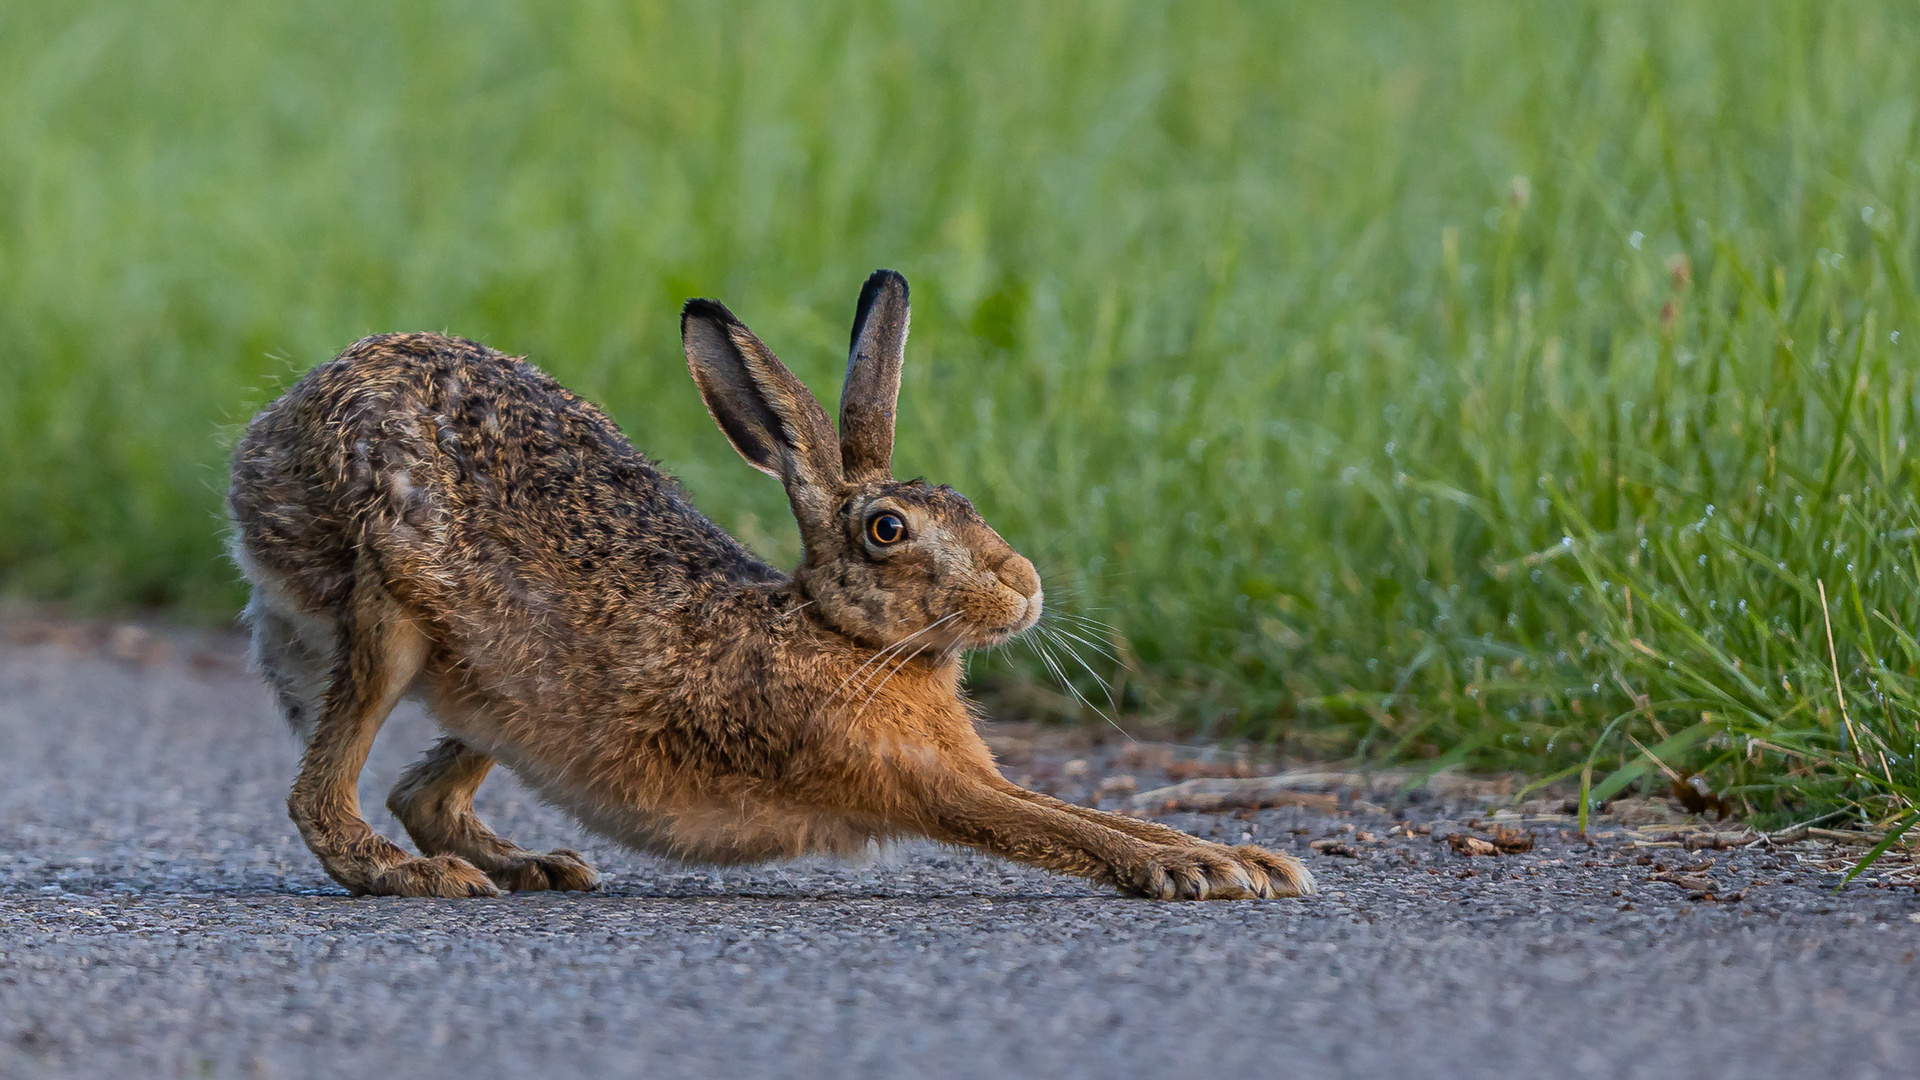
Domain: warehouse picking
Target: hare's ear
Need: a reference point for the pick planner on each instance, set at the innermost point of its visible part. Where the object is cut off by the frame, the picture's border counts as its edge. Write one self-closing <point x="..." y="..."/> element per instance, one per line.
<point x="873" y="378"/>
<point x="767" y="413"/>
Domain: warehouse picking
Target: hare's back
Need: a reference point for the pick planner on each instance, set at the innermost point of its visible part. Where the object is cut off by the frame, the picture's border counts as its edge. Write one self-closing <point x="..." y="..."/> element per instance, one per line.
<point x="473" y="479"/>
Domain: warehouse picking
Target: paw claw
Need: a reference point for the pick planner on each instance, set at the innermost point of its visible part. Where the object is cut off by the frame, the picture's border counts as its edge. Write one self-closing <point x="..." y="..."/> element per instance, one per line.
<point x="559" y="870"/>
<point x="1205" y="871"/>
<point x="1286" y="875"/>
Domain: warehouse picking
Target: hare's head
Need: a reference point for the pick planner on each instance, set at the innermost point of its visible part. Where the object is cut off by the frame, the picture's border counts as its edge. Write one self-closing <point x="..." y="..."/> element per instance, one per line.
<point x="885" y="559"/>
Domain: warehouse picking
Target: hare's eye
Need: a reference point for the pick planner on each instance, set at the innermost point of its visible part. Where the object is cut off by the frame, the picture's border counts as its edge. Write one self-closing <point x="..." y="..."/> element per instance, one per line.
<point x="884" y="529"/>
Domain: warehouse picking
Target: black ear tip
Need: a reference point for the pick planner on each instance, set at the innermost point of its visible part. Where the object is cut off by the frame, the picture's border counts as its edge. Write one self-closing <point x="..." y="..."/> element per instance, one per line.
<point x="877" y="282"/>
<point x="701" y="308"/>
<point x="881" y="279"/>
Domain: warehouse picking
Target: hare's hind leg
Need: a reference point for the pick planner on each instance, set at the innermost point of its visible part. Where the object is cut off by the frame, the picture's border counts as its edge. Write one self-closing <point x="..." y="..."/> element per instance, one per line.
<point x="434" y="801"/>
<point x="379" y="653"/>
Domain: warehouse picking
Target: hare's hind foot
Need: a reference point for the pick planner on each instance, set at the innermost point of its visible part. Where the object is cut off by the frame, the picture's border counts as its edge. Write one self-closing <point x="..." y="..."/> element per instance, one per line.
<point x="436" y="875"/>
<point x="434" y="803"/>
<point x="559" y="870"/>
<point x="368" y="864"/>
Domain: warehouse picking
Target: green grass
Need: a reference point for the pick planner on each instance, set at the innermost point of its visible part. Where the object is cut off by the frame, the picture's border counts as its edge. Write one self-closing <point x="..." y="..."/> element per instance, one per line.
<point x="1492" y="384"/>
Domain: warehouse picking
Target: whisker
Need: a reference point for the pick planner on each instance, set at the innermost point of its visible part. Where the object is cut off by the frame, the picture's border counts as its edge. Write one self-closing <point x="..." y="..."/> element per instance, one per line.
<point x="1077" y="616"/>
<point x="1095" y="646"/>
<point x="1105" y="687"/>
<point x="895" y="650"/>
<point x="899" y="646"/>
<point x="897" y="669"/>
<point x="883" y="651"/>
<point x="878" y="653"/>
<point x="1085" y="623"/>
<point x="1053" y="665"/>
<point x="1106" y="690"/>
<point x="855" y="673"/>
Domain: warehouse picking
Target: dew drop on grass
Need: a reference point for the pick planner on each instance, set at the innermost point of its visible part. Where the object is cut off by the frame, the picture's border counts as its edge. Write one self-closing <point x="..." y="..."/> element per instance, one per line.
<point x="1635" y="238"/>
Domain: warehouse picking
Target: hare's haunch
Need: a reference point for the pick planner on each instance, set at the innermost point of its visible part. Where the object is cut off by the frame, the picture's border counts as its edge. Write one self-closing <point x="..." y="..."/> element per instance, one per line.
<point x="423" y="516"/>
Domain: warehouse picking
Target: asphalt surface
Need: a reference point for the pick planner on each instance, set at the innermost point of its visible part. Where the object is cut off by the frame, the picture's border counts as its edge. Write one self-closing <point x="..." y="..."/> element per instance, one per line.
<point x="160" y="917"/>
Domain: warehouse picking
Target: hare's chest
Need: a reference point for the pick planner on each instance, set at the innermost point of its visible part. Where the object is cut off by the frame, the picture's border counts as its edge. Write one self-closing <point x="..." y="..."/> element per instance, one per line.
<point x="723" y="831"/>
<point x="643" y="803"/>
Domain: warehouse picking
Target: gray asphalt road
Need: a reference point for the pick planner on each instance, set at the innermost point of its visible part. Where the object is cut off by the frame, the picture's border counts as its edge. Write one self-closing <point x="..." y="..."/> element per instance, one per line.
<point x="159" y="917"/>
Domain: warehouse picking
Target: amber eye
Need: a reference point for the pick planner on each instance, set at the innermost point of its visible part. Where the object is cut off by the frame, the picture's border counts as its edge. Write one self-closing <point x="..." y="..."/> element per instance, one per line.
<point x="884" y="529"/>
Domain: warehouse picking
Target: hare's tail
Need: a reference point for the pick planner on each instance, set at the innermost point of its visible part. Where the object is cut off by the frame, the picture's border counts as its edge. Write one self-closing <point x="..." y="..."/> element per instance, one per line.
<point x="293" y="649"/>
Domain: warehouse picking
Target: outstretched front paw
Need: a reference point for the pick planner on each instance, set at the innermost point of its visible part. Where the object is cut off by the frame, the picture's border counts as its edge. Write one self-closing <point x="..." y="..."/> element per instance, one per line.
<point x="1189" y="872"/>
<point x="1274" y="874"/>
<point x="559" y="869"/>
<point x="1217" y="872"/>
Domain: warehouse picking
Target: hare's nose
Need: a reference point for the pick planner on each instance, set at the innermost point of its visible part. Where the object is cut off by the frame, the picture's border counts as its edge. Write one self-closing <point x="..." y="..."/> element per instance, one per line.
<point x="1018" y="574"/>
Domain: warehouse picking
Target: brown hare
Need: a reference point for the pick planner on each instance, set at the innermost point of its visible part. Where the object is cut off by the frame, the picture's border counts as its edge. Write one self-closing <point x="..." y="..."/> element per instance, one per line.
<point x="424" y="516"/>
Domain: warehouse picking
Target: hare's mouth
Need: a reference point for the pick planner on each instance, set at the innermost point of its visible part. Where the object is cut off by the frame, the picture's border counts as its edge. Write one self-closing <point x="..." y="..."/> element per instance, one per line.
<point x="987" y="637"/>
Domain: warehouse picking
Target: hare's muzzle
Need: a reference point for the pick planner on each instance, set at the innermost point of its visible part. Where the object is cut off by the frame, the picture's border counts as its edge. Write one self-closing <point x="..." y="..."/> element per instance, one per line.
<point x="1017" y="575"/>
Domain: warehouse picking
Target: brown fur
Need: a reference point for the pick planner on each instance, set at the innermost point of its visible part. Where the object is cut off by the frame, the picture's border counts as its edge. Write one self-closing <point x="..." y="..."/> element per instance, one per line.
<point x="425" y="516"/>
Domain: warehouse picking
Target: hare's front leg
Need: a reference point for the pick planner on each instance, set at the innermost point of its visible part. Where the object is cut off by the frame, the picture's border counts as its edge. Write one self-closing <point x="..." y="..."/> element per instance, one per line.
<point x="434" y="802"/>
<point x="379" y="655"/>
<point x="974" y="811"/>
<point x="1273" y="873"/>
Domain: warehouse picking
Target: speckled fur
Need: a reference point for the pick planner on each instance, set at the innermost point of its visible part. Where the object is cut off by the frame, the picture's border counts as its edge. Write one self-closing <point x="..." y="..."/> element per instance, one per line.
<point x="423" y="515"/>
